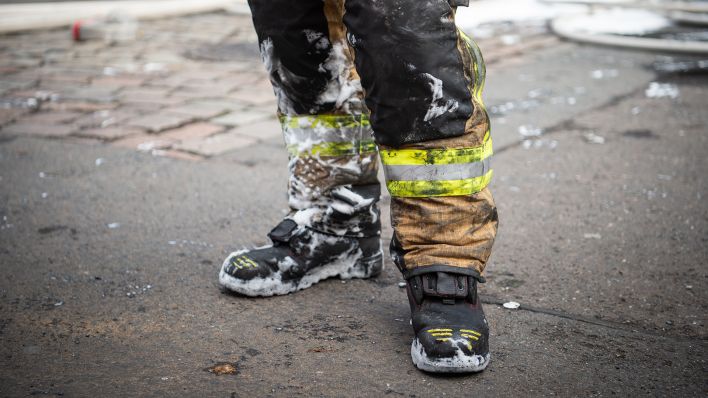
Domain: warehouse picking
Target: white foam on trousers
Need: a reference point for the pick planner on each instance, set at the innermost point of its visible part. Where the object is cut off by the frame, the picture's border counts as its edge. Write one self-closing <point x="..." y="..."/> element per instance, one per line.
<point x="341" y="89"/>
<point x="437" y="106"/>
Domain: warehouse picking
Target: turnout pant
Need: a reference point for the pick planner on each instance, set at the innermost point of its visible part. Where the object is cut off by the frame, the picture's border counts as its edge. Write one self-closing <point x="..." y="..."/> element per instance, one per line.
<point x="356" y="76"/>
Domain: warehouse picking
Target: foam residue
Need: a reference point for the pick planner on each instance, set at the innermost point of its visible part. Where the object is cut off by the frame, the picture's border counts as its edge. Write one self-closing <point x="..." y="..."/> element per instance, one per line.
<point x="460" y="363"/>
<point x="662" y="90"/>
<point x="494" y="11"/>
<point x="347" y="265"/>
<point x="618" y="21"/>
<point x="274" y="67"/>
<point x="341" y="89"/>
<point x="438" y="106"/>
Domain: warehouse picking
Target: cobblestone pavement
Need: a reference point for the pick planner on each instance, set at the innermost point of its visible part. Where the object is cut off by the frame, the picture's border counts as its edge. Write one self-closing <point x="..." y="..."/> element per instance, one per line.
<point x="189" y="88"/>
<point x="168" y="93"/>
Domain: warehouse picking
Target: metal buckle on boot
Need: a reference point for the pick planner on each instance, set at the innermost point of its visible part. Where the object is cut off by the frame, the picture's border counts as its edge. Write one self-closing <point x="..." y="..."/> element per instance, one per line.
<point x="283" y="232"/>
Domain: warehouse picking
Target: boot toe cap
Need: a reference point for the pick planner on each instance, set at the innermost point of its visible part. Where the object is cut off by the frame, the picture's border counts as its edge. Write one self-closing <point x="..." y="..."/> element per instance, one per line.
<point x="448" y="342"/>
<point x="447" y="350"/>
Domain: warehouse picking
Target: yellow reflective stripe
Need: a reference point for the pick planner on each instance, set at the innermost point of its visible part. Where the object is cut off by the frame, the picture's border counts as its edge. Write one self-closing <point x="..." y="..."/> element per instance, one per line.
<point x="469" y="336"/>
<point x="441" y="334"/>
<point x="248" y="260"/>
<point x="439" y="330"/>
<point x="478" y="66"/>
<point x="243" y="262"/>
<point x="335" y="149"/>
<point x="420" y="189"/>
<point x="413" y="157"/>
<point x="470" y="331"/>
<point x="328" y="121"/>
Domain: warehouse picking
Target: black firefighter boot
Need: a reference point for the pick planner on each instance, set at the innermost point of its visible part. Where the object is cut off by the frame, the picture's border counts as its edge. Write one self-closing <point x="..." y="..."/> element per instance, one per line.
<point x="340" y="239"/>
<point x="451" y="331"/>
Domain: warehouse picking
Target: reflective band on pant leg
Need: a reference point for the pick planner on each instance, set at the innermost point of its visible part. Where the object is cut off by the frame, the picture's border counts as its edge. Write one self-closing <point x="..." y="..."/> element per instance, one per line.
<point x="477" y="66"/>
<point x="328" y="135"/>
<point x="333" y="186"/>
<point x="437" y="172"/>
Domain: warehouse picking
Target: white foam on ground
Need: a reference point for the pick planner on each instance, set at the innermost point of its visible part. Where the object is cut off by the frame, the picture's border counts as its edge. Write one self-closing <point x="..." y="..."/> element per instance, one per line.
<point x="460" y="363"/>
<point x="618" y="21"/>
<point x="662" y="90"/>
<point x="495" y="11"/>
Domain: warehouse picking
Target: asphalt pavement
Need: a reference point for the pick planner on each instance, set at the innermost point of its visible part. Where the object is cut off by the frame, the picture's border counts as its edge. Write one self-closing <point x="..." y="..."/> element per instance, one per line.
<point x="110" y="252"/>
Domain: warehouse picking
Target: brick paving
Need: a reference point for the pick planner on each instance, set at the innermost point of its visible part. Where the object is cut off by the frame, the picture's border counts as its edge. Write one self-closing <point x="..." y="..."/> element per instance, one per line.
<point x="146" y="95"/>
<point x="180" y="90"/>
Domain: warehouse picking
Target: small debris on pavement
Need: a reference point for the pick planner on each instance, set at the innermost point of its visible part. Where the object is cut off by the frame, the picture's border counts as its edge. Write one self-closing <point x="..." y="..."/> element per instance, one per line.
<point x="592" y="138"/>
<point x="154" y="67"/>
<point x="319" y="349"/>
<point x="592" y="236"/>
<point x="113" y="225"/>
<point x="5" y="224"/>
<point x="100" y="161"/>
<point x="662" y="90"/>
<point x="512" y="305"/>
<point x="510" y="40"/>
<point x="530" y="131"/>
<point x="684" y="67"/>
<point x="401" y="284"/>
<point x="223" y="368"/>
<point x="604" y="73"/>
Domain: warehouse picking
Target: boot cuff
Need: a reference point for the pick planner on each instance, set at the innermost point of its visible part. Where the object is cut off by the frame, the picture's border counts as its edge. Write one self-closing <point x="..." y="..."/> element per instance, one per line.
<point x="410" y="273"/>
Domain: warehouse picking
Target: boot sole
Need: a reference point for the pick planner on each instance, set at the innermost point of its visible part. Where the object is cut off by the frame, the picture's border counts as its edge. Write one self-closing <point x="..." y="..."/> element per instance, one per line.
<point x="460" y="363"/>
<point x="345" y="267"/>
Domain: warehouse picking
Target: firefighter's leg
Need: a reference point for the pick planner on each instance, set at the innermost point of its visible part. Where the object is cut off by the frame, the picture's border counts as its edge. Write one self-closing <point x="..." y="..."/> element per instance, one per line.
<point x="333" y="228"/>
<point x="423" y="80"/>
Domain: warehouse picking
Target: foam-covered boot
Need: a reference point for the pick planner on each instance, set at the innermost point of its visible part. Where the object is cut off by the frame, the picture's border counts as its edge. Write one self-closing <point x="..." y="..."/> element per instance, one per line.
<point x="451" y="331"/>
<point x="298" y="258"/>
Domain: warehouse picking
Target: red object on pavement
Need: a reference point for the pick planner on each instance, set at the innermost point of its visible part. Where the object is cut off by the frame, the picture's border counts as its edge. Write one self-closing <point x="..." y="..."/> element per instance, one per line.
<point x="76" y="31"/>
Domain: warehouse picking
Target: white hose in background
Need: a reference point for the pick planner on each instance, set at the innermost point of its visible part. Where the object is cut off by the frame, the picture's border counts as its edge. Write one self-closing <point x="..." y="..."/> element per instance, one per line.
<point x="571" y="28"/>
<point x="689" y="18"/>
<point x="652" y="5"/>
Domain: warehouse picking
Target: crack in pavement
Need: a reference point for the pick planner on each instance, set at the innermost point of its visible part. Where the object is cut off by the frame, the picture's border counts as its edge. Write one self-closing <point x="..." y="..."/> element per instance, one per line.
<point x="594" y="321"/>
<point x="570" y="125"/>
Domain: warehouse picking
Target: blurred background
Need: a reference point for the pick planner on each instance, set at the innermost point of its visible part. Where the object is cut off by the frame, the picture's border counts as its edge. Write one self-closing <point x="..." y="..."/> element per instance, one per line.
<point x="139" y="146"/>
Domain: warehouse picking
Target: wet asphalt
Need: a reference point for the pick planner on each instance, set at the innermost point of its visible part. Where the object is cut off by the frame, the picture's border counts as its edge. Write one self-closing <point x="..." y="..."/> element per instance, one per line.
<point x="109" y="268"/>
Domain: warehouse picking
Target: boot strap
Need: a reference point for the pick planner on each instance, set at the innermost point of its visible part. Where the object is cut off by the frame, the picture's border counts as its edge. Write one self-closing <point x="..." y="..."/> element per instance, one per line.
<point x="283" y="232"/>
<point x="447" y="286"/>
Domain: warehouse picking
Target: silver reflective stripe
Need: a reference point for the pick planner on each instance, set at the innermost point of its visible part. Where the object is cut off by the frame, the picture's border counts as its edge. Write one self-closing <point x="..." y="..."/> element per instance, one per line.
<point x="294" y="136"/>
<point x="437" y="172"/>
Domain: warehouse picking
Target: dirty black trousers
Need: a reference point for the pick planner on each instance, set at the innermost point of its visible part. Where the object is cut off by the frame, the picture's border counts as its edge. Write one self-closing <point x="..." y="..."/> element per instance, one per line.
<point x="399" y="71"/>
